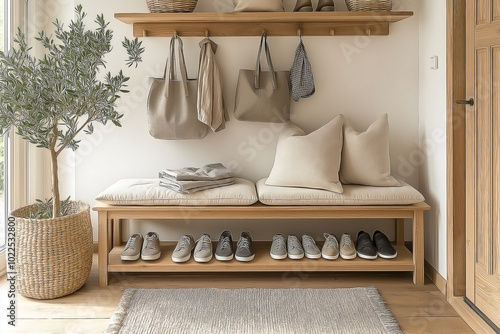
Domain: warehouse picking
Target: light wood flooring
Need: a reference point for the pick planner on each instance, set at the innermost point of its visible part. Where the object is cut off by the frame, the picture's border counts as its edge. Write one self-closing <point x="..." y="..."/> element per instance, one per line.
<point x="418" y="309"/>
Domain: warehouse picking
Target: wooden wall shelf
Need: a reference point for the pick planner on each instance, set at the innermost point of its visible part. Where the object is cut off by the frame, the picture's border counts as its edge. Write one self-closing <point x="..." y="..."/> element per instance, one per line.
<point x="253" y="24"/>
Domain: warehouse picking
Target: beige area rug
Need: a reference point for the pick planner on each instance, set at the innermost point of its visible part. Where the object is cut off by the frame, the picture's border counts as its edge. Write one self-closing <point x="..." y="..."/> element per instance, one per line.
<point x="267" y="311"/>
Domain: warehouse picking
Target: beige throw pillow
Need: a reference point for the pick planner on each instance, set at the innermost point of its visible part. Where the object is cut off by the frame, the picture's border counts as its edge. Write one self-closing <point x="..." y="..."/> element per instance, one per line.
<point x="258" y="5"/>
<point x="365" y="156"/>
<point x="309" y="161"/>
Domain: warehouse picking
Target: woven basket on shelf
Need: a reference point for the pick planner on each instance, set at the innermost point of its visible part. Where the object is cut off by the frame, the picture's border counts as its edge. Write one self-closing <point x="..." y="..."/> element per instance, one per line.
<point x="53" y="256"/>
<point x="368" y="5"/>
<point x="171" y="6"/>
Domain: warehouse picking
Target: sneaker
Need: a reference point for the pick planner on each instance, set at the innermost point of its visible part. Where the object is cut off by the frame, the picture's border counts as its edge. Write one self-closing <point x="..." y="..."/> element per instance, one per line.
<point x="295" y="251"/>
<point x="151" y="247"/>
<point x="365" y="247"/>
<point x="132" y="250"/>
<point x="224" y="251"/>
<point x="330" y="250"/>
<point x="182" y="252"/>
<point x="384" y="246"/>
<point x="310" y="248"/>
<point x="278" y="248"/>
<point x="203" y="249"/>
<point x="244" y="249"/>
<point x="347" y="250"/>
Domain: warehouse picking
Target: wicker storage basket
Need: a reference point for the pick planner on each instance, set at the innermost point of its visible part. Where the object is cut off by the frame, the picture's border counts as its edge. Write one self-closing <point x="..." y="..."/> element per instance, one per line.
<point x="368" y="5"/>
<point x="53" y="256"/>
<point x="171" y="6"/>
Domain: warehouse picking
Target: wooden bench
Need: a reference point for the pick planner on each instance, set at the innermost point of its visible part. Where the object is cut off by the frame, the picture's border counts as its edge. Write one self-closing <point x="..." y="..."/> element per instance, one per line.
<point x="110" y="238"/>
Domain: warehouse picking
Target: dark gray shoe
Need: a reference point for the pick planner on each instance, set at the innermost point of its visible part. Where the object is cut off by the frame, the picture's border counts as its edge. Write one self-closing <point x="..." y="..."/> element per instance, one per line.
<point x="365" y="247"/>
<point x="224" y="251"/>
<point x="244" y="250"/>
<point x="384" y="246"/>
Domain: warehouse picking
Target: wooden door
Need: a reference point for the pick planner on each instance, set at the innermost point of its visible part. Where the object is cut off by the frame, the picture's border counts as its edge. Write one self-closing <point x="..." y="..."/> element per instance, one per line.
<point x="483" y="157"/>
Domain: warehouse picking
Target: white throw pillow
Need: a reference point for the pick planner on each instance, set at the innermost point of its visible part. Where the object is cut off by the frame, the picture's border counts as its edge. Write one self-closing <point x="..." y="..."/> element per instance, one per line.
<point x="365" y="156"/>
<point x="258" y="5"/>
<point x="309" y="161"/>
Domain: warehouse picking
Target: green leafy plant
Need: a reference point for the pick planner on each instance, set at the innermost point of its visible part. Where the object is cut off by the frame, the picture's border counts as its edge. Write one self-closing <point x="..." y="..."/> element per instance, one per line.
<point x="50" y="100"/>
<point x="44" y="209"/>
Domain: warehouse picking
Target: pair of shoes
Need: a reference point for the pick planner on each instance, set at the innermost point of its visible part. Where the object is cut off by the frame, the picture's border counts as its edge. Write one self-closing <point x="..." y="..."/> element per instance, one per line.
<point x="202" y="251"/>
<point x="331" y="249"/>
<point x="148" y="249"/>
<point x="244" y="248"/>
<point x="293" y="248"/>
<point x="380" y="246"/>
<point x="306" y="6"/>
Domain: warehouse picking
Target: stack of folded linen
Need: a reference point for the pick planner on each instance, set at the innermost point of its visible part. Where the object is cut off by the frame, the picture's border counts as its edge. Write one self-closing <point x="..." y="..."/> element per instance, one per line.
<point x="189" y="180"/>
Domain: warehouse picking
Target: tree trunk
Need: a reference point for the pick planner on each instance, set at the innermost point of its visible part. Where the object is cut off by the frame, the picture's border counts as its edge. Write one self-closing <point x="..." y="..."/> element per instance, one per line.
<point x="55" y="185"/>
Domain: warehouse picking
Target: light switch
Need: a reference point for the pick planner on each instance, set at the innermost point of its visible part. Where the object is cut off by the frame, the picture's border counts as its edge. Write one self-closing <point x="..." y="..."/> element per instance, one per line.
<point x="434" y="63"/>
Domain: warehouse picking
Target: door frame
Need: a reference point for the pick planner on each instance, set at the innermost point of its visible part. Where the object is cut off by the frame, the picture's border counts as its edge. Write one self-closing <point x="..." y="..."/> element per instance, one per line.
<point x="456" y="70"/>
<point x="456" y="165"/>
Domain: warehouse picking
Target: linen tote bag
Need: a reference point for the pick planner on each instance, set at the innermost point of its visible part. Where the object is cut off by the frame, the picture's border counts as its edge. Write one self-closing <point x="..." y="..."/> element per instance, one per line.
<point x="172" y="110"/>
<point x="263" y="96"/>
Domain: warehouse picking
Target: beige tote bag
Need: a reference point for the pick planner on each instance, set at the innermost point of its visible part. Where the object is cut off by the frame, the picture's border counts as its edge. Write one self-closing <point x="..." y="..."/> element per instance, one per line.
<point x="263" y="96"/>
<point x="172" y="112"/>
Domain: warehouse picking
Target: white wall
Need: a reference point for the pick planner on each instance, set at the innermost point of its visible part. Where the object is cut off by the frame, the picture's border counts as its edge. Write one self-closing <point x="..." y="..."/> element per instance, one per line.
<point x="380" y="75"/>
<point x="431" y="158"/>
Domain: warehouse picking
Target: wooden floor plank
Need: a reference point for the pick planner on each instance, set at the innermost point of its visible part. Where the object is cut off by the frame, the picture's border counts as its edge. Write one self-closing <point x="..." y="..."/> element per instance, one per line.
<point x="433" y="325"/>
<point x="422" y="304"/>
<point x="58" y="326"/>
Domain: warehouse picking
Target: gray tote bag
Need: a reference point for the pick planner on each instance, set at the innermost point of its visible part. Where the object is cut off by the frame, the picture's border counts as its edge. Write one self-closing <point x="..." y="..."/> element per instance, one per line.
<point x="263" y="96"/>
<point x="172" y="106"/>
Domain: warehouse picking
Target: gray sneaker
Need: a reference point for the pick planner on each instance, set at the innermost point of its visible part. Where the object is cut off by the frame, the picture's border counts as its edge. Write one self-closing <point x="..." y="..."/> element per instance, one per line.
<point x="224" y="251"/>
<point x="330" y="250"/>
<point x="203" y="249"/>
<point x="132" y="250"/>
<point x="347" y="250"/>
<point x="295" y="251"/>
<point x="312" y="251"/>
<point x="151" y="247"/>
<point x="182" y="252"/>
<point x="278" y="248"/>
<point x="244" y="248"/>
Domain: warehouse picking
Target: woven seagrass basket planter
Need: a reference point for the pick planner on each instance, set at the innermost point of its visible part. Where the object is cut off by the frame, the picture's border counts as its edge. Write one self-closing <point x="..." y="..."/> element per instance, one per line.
<point x="171" y="6"/>
<point x="368" y="5"/>
<point x="53" y="256"/>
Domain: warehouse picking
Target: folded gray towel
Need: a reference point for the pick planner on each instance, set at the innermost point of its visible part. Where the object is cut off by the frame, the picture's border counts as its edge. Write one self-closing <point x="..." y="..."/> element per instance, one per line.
<point x="189" y="187"/>
<point x="208" y="172"/>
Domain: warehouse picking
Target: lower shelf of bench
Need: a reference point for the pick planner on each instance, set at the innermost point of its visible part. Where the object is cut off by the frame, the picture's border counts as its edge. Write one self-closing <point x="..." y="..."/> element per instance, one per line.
<point x="262" y="262"/>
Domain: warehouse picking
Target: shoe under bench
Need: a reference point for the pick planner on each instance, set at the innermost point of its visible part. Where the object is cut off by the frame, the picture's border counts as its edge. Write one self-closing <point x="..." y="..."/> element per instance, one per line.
<point x="110" y="239"/>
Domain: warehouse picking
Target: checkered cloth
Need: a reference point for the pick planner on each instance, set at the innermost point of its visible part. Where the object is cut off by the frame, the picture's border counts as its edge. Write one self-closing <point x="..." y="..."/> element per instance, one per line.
<point x="301" y="75"/>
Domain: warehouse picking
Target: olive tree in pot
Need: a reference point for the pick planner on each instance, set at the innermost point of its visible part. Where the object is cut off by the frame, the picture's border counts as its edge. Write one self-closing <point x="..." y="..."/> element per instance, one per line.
<point x="49" y="102"/>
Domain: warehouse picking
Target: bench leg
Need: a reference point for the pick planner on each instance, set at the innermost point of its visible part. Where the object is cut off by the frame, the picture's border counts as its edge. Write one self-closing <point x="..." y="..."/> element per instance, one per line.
<point x="117" y="232"/>
<point x="400" y="232"/>
<point x="418" y="247"/>
<point x="104" y="248"/>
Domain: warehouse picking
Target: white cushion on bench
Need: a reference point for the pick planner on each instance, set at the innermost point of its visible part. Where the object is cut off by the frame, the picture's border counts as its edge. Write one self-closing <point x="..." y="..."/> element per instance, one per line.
<point x="352" y="195"/>
<point x="149" y="192"/>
